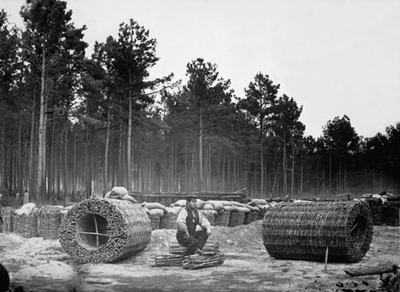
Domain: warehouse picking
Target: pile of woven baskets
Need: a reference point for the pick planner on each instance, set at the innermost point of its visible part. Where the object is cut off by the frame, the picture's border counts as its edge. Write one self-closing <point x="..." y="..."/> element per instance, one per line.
<point x="31" y="221"/>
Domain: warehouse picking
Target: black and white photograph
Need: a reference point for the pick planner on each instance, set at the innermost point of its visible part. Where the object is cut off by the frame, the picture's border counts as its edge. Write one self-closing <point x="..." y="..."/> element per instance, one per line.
<point x="199" y="145"/>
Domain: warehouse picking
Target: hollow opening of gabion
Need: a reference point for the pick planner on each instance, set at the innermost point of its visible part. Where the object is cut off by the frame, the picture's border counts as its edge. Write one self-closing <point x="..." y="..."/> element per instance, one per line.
<point x="92" y="231"/>
<point x="358" y="230"/>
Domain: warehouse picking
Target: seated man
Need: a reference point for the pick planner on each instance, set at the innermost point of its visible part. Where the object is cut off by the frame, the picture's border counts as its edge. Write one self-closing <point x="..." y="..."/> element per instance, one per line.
<point x="193" y="227"/>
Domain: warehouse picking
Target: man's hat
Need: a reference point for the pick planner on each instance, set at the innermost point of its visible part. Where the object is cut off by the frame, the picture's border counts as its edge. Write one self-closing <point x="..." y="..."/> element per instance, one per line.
<point x="189" y="197"/>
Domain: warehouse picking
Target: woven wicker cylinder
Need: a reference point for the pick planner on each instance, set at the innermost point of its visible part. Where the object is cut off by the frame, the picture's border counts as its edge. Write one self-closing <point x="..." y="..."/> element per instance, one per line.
<point x="236" y="218"/>
<point x="222" y="218"/>
<point x="377" y="212"/>
<point x="104" y="230"/>
<point x="155" y="221"/>
<point x="250" y="217"/>
<point x="49" y="220"/>
<point x="25" y="225"/>
<point x="305" y="230"/>
<point x="168" y="221"/>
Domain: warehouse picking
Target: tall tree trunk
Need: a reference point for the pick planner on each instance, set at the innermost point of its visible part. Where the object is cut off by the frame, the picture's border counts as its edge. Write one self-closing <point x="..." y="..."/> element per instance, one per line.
<point x="120" y="166"/>
<point x="128" y="145"/>
<point x="20" y="157"/>
<point x="41" y="167"/>
<point x="284" y="167"/>
<point x="330" y="173"/>
<point x="66" y="173"/>
<point x="31" y="174"/>
<point x="106" y="150"/>
<point x="292" y="185"/>
<point x="301" y="173"/>
<point x="201" y="151"/>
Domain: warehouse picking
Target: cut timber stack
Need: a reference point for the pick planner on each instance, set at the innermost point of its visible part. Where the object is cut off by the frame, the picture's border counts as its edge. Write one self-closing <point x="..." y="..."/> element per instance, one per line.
<point x="104" y="230"/>
<point x="200" y="261"/>
<point x="210" y="248"/>
<point x="306" y="230"/>
<point x="167" y="260"/>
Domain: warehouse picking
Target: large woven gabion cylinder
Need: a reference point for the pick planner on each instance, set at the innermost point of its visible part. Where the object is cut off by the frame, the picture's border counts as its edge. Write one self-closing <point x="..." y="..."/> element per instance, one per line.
<point x="305" y="230"/>
<point x="104" y="230"/>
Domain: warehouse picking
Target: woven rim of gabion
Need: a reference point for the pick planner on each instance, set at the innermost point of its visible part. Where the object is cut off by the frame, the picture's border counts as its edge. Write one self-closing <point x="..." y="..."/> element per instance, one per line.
<point x="305" y="230"/>
<point x="104" y="230"/>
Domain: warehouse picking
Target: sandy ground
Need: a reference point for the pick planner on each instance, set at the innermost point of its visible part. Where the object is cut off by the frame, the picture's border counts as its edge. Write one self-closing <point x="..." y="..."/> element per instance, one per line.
<point x="41" y="265"/>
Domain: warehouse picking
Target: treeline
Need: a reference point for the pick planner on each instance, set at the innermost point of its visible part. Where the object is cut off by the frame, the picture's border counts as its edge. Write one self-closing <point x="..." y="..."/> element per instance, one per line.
<point x="69" y="123"/>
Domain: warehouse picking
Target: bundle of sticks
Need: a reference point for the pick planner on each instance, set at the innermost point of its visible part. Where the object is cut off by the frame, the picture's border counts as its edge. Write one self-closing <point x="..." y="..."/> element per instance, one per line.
<point x="210" y="248"/>
<point x="162" y="260"/>
<point x="193" y="262"/>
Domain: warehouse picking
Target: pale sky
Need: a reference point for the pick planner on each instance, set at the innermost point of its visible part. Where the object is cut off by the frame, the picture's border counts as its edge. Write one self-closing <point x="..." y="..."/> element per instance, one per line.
<point x="334" y="57"/>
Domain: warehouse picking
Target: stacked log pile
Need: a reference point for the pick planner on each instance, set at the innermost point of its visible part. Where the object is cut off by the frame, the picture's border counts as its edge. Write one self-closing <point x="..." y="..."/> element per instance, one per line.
<point x="211" y="257"/>
<point x="170" y="260"/>
<point x="196" y="261"/>
<point x="210" y="248"/>
<point x="311" y="230"/>
<point x="104" y="230"/>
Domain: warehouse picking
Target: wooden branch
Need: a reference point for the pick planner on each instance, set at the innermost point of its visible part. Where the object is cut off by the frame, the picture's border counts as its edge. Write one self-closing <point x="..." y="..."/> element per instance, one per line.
<point x="374" y="270"/>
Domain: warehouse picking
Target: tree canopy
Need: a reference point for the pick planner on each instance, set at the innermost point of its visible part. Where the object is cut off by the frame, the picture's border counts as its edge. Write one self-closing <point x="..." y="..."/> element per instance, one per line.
<point x="73" y="125"/>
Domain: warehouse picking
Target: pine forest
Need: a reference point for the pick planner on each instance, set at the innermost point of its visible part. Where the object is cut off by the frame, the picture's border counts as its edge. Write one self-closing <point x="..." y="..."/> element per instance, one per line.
<point x="73" y="124"/>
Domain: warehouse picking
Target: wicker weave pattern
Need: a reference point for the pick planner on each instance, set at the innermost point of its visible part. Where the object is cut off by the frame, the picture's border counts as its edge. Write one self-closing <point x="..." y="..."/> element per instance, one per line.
<point x="222" y="218"/>
<point x="155" y="221"/>
<point x="26" y="226"/>
<point x="250" y="217"/>
<point x="127" y="230"/>
<point x="49" y="220"/>
<point x="168" y="221"/>
<point x="304" y="231"/>
<point x="236" y="219"/>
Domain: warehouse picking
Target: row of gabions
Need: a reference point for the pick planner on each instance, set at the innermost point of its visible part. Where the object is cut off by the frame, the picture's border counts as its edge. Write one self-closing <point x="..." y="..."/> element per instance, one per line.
<point x="107" y="230"/>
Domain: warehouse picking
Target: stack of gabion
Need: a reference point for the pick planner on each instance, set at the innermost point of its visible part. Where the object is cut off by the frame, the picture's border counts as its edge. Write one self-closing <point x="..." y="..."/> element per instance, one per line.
<point x="305" y="230"/>
<point x="104" y="230"/>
